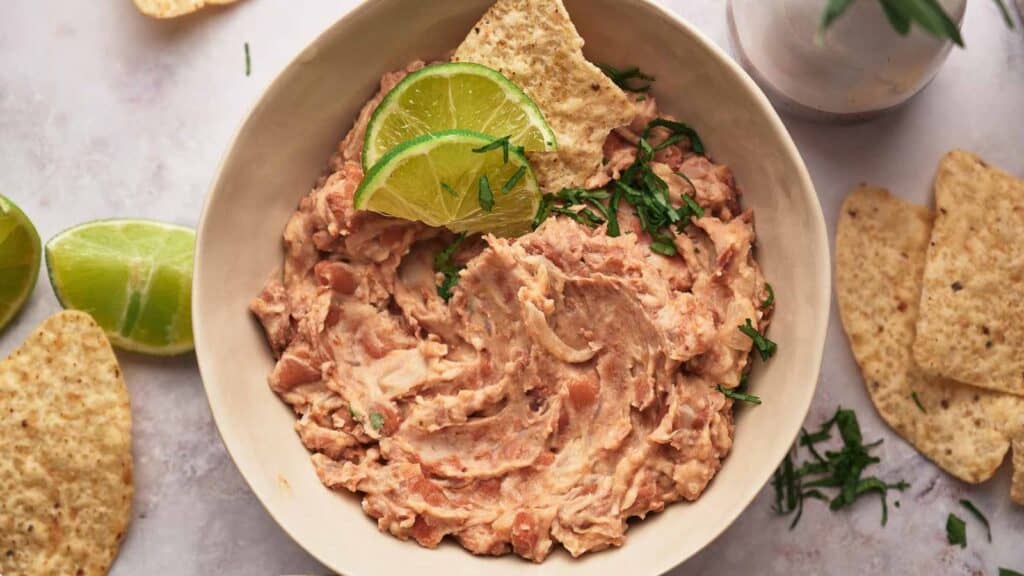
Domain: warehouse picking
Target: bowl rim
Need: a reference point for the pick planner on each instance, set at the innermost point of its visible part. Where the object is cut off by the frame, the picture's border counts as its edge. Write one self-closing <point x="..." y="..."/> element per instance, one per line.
<point x="722" y="58"/>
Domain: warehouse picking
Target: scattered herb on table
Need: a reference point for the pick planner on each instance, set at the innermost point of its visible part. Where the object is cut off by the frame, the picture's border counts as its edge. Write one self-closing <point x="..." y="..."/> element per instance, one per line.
<point x="977" y="514"/>
<point x="917" y="400"/>
<point x="738" y="394"/>
<point x="443" y="263"/>
<point x="765" y="347"/>
<point x="625" y="78"/>
<point x="841" y="470"/>
<point x="956" y="531"/>
<point x="248" y="60"/>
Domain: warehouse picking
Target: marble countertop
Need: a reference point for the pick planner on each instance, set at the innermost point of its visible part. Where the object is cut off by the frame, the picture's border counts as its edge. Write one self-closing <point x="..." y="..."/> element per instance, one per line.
<point x="105" y="113"/>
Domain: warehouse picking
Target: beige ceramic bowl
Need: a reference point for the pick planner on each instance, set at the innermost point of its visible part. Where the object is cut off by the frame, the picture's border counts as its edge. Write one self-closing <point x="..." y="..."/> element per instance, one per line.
<point x="282" y="148"/>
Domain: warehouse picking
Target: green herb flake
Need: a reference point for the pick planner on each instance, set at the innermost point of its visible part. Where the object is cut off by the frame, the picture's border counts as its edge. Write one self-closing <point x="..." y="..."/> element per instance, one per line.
<point x="917" y="400"/>
<point x="1008" y="572"/>
<point x="625" y="79"/>
<point x="444" y="265"/>
<point x="977" y="514"/>
<point x="771" y="296"/>
<point x="740" y="396"/>
<point x="513" y="180"/>
<point x="956" y="531"/>
<point x="840" y="470"/>
<point x="484" y="194"/>
<point x="447" y="188"/>
<point x="248" y="60"/>
<point x="502" y="143"/>
<point x="677" y="133"/>
<point x="765" y="347"/>
<point x="376" y="421"/>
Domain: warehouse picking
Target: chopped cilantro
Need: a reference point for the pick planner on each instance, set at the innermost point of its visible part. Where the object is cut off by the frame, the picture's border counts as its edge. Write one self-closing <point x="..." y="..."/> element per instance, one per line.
<point x="1008" y="572"/>
<point x="977" y="514"/>
<point x="248" y="60"/>
<point x="737" y="395"/>
<point x="956" y="531"/>
<point x="840" y="470"/>
<point x="513" y="180"/>
<point x="771" y="296"/>
<point x="677" y="133"/>
<point x="765" y="347"/>
<point x="502" y="143"/>
<point x="443" y="264"/>
<point x="484" y="194"/>
<point x="624" y="78"/>
<point x="447" y="188"/>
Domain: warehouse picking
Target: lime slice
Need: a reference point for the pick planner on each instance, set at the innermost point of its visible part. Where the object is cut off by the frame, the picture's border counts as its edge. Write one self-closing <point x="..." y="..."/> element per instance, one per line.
<point x="19" y="259"/>
<point x="436" y="179"/>
<point x="133" y="276"/>
<point x="459" y="95"/>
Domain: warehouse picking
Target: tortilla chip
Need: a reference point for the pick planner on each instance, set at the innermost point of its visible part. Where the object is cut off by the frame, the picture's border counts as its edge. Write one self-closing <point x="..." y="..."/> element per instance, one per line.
<point x="972" y="308"/>
<point x="881" y="243"/>
<point x="173" y="8"/>
<point x="65" y="458"/>
<point x="534" y="44"/>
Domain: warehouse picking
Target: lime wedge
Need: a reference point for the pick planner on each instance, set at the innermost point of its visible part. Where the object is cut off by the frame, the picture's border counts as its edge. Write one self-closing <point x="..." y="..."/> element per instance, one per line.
<point x="439" y="179"/>
<point x="19" y="259"/>
<point x="133" y="276"/>
<point x="459" y="95"/>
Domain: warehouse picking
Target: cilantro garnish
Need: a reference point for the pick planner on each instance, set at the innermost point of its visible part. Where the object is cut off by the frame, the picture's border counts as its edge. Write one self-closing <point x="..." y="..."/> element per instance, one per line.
<point x="1008" y="572"/>
<point x="248" y="60"/>
<point x="841" y="470"/>
<point x="977" y="514"/>
<point x="513" y="180"/>
<point x="677" y="133"/>
<point x="484" y="194"/>
<point x="771" y="296"/>
<point x="502" y="143"/>
<point x="624" y="78"/>
<point x="765" y="347"/>
<point x="956" y="531"/>
<point x="640" y="187"/>
<point x="738" y="395"/>
<point x="447" y="188"/>
<point x="920" y="406"/>
<point x="443" y="264"/>
<point x="376" y="420"/>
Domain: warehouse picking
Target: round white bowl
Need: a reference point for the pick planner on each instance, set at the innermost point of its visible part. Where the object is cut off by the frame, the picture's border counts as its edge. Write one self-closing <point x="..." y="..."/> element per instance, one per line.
<point x="283" y="146"/>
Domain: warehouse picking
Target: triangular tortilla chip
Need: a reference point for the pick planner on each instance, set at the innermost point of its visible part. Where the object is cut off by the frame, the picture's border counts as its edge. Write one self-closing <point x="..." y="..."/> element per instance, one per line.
<point x="881" y="243"/>
<point x="534" y="44"/>
<point x="65" y="457"/>
<point x="972" y="309"/>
